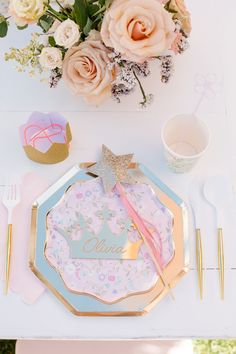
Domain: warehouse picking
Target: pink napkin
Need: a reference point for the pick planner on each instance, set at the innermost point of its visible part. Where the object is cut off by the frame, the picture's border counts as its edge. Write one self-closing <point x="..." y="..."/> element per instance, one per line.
<point x="22" y="280"/>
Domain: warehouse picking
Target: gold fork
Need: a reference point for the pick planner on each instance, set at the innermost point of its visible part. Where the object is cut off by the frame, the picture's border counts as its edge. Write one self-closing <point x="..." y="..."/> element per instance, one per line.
<point x="10" y="199"/>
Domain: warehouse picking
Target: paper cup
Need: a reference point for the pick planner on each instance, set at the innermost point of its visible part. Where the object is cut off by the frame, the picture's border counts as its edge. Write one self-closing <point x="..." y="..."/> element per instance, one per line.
<point x="185" y="139"/>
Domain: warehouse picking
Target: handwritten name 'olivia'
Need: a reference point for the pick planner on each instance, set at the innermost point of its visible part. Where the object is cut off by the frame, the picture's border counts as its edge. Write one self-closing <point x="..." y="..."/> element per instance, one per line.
<point x="95" y="244"/>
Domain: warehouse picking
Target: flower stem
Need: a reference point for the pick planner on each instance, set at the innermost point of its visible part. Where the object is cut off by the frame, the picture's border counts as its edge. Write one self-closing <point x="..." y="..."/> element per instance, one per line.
<point x="60" y="5"/>
<point x="65" y="12"/>
<point x="54" y="15"/>
<point x="100" y="11"/>
<point x="141" y="87"/>
<point x="58" y="15"/>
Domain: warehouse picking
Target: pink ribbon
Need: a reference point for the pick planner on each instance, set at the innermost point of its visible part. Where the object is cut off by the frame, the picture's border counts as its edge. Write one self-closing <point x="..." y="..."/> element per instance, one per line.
<point x="43" y="133"/>
<point x="139" y="223"/>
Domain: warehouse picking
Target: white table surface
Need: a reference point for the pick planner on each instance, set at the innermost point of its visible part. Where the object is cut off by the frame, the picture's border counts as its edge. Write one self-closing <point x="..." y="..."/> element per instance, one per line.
<point x="124" y="128"/>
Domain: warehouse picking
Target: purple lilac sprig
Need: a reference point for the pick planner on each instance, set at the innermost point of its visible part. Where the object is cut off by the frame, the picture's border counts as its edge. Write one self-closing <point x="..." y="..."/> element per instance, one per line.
<point x="55" y="77"/>
<point x="167" y="67"/>
<point x="127" y="78"/>
<point x="182" y="37"/>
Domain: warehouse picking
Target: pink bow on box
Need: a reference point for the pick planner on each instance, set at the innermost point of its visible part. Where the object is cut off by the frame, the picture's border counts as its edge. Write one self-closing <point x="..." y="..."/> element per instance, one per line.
<point x="42" y="130"/>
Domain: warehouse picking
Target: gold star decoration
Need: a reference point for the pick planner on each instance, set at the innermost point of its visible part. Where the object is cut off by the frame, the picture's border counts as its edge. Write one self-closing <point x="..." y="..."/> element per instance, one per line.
<point x="112" y="169"/>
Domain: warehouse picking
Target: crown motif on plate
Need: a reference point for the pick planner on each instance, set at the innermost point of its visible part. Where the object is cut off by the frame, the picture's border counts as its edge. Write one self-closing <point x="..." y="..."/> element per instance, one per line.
<point x="105" y="244"/>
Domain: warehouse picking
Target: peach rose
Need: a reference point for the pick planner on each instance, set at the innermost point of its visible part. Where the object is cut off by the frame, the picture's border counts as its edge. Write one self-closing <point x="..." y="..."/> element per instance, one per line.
<point x="181" y="14"/>
<point x="138" y="29"/>
<point x="86" y="72"/>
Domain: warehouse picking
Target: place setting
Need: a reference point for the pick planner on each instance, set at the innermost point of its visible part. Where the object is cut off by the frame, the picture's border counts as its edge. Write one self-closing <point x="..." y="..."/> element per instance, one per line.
<point x="108" y="237"/>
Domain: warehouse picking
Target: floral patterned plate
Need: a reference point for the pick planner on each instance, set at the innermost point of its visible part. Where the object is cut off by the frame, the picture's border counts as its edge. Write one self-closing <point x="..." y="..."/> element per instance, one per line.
<point x="87" y="216"/>
<point x="86" y="250"/>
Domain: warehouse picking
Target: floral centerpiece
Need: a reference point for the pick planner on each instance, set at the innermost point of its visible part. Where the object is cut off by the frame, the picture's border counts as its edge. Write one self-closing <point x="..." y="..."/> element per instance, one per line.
<point x="100" y="48"/>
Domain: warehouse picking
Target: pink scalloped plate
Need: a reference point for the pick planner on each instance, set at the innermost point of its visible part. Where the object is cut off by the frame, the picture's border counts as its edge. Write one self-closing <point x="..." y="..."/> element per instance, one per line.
<point x="109" y="280"/>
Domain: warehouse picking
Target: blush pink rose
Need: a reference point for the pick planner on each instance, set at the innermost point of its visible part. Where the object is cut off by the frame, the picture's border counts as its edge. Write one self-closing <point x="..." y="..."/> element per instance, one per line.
<point x="138" y="29"/>
<point x="86" y="72"/>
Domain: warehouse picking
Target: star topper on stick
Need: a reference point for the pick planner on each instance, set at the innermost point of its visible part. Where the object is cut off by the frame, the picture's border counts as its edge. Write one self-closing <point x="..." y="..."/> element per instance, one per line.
<point x="112" y="169"/>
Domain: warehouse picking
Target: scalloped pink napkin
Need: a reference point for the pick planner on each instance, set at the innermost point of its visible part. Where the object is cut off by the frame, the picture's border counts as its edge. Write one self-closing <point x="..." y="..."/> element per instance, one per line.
<point x="22" y="280"/>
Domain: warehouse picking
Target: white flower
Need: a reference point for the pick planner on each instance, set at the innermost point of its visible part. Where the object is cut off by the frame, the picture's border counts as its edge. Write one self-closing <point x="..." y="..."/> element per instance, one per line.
<point x="50" y="58"/>
<point x="67" y="34"/>
<point x="26" y="12"/>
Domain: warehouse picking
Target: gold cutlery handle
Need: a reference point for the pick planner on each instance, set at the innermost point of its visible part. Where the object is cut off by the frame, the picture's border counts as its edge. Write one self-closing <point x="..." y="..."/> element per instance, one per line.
<point x="8" y="257"/>
<point x="221" y="262"/>
<point x="199" y="261"/>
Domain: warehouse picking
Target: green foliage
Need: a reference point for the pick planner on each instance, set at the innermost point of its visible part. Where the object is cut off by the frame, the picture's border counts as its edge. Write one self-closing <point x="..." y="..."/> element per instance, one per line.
<point x="51" y="41"/>
<point x="27" y="58"/>
<point x="7" y="346"/>
<point x="88" y="14"/>
<point x="93" y="9"/>
<point x="3" y="26"/>
<point x="88" y="26"/>
<point x="45" y="22"/>
<point x="214" y="346"/>
<point x="81" y="13"/>
<point x="22" y="27"/>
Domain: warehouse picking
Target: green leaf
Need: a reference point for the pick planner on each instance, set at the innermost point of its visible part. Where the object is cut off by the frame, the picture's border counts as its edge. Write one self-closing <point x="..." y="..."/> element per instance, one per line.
<point x="92" y="9"/>
<point x="88" y="27"/>
<point x="51" y="41"/>
<point x="45" y="22"/>
<point x="101" y="2"/>
<point x="22" y="27"/>
<point x="108" y="3"/>
<point x="81" y="13"/>
<point x="3" y="29"/>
